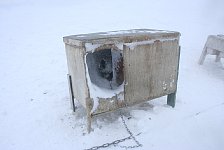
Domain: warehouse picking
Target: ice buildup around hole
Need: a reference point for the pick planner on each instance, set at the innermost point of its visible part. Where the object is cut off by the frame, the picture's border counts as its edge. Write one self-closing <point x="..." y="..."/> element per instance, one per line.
<point x="105" y="68"/>
<point x="105" y="76"/>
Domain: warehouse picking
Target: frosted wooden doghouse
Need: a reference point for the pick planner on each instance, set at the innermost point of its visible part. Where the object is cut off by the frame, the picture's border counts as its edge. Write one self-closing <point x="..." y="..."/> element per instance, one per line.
<point x="213" y="46"/>
<point x="111" y="70"/>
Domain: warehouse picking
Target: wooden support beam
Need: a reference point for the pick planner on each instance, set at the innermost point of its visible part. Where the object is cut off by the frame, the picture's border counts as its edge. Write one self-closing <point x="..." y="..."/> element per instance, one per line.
<point x="171" y="99"/>
<point x="71" y="92"/>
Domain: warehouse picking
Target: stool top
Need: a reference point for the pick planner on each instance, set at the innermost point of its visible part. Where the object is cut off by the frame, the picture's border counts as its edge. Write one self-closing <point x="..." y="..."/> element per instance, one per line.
<point x="220" y="35"/>
<point x="126" y="36"/>
<point x="215" y="42"/>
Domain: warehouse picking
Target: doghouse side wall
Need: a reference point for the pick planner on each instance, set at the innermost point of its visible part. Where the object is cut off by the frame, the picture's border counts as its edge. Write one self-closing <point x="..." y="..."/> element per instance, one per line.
<point x="150" y="70"/>
<point x="76" y="68"/>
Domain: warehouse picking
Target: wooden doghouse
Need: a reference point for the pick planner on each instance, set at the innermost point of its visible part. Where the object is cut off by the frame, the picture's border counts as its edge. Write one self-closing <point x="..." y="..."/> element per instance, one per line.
<point x="111" y="70"/>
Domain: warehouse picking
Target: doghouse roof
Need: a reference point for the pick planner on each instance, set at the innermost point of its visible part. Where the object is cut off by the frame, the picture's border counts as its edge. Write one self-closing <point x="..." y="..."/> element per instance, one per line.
<point x="124" y="36"/>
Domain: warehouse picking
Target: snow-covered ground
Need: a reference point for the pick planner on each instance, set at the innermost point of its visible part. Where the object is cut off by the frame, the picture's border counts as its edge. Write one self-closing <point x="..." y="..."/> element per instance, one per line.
<point x="34" y="100"/>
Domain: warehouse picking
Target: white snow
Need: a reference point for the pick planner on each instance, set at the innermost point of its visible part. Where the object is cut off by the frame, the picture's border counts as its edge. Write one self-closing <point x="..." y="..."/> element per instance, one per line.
<point x="134" y="31"/>
<point x="118" y="32"/>
<point x="34" y="99"/>
<point x="133" y="45"/>
<point x="90" y="47"/>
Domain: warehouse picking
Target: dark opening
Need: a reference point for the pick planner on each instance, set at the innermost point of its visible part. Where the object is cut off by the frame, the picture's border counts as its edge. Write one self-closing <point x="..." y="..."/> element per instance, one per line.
<point x="106" y="68"/>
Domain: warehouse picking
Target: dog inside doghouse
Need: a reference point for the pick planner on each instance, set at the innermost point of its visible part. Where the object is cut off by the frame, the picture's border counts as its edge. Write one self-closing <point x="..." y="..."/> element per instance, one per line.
<point x="105" y="67"/>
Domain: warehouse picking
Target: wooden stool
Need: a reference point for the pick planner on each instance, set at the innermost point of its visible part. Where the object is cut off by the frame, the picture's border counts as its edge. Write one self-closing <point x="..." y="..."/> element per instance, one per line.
<point x="213" y="46"/>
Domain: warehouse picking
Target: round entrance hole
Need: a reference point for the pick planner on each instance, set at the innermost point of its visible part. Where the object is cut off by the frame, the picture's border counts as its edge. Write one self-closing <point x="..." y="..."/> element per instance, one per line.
<point x="105" y="68"/>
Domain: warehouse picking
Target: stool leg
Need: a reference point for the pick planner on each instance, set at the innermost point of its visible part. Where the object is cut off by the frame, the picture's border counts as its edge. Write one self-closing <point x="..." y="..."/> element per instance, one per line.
<point x="171" y="99"/>
<point x="218" y="58"/>
<point x="203" y="55"/>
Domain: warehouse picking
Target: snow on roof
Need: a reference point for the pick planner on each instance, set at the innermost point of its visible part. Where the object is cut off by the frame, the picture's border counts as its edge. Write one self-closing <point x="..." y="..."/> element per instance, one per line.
<point x="135" y="33"/>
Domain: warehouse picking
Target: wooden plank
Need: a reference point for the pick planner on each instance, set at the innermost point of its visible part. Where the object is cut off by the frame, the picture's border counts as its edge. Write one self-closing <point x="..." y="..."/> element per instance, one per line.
<point x="125" y="36"/>
<point x="76" y="68"/>
<point x="171" y="98"/>
<point x="150" y="70"/>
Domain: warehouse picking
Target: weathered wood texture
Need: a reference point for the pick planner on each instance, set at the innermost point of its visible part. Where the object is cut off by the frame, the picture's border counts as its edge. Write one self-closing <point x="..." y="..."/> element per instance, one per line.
<point x="76" y="68"/>
<point x="150" y="70"/>
<point x="114" y="37"/>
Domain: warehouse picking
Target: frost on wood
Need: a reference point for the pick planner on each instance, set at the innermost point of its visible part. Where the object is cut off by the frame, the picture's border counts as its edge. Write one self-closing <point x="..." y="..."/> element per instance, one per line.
<point x="133" y="31"/>
<point x="91" y="47"/>
<point x="105" y="76"/>
<point x="135" y="44"/>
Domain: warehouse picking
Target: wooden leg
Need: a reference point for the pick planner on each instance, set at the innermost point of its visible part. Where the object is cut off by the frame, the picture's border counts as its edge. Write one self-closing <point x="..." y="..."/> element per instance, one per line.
<point x="88" y="112"/>
<point x="88" y="122"/>
<point x="171" y="99"/>
<point x="218" y="58"/>
<point x="71" y="92"/>
<point x="203" y="55"/>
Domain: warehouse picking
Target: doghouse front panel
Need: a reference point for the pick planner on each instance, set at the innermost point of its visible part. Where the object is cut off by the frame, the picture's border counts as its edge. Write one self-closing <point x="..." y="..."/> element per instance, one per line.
<point x="76" y="68"/>
<point x="150" y="70"/>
